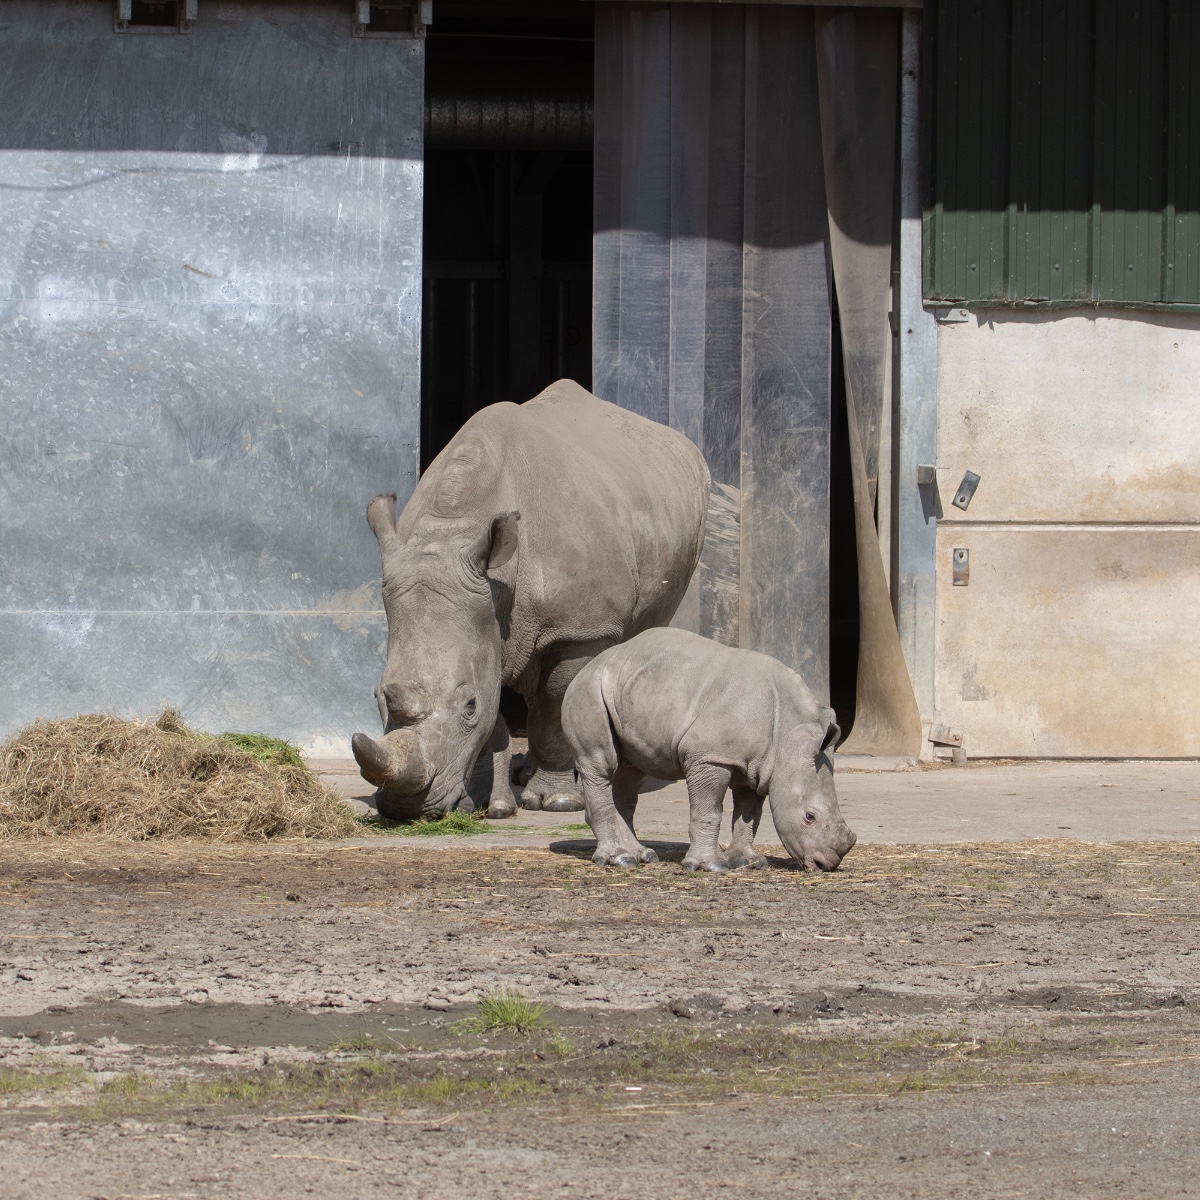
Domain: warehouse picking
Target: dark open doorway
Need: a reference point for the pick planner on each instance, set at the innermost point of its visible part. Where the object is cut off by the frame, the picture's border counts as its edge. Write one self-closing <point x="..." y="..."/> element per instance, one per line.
<point x="843" y="544"/>
<point x="508" y="208"/>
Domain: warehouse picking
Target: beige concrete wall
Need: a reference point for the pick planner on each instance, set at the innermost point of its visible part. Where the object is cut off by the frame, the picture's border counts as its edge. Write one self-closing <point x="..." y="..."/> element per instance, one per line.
<point x="1079" y="633"/>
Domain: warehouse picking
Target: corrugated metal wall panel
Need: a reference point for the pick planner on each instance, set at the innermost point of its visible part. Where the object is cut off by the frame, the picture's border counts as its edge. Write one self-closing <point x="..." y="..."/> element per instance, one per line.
<point x="967" y="231"/>
<point x="1182" y="269"/>
<point x="1130" y="148"/>
<point x="1063" y="138"/>
<point x="1050" y="150"/>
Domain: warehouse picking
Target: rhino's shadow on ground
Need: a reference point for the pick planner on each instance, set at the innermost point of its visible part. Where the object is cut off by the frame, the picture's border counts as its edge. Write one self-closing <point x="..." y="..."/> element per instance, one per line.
<point x="672" y="852"/>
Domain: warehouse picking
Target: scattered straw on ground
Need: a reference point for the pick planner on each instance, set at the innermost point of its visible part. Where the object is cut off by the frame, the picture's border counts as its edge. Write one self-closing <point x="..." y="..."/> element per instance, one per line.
<point x="135" y="781"/>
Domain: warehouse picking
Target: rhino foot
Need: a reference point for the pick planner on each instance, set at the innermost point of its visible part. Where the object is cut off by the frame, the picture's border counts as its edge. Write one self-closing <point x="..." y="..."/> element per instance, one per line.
<point x="624" y="858"/>
<point x="563" y="802"/>
<point x="748" y="859"/>
<point x="552" y="791"/>
<point x="498" y="810"/>
<point x="716" y="865"/>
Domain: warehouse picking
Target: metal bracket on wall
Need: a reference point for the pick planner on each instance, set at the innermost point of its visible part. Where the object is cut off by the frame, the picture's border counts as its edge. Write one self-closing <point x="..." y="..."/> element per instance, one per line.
<point x="392" y="19"/>
<point x="947" y="743"/>
<point x="927" y="486"/>
<point x="966" y="490"/>
<point x="962" y="566"/>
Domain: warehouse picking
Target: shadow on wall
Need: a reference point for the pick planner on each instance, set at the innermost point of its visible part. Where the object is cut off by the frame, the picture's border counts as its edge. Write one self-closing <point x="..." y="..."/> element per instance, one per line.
<point x="267" y="83"/>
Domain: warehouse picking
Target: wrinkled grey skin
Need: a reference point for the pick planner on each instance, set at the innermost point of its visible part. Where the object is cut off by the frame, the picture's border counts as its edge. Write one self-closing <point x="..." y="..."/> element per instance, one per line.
<point x="543" y="534"/>
<point x="673" y="705"/>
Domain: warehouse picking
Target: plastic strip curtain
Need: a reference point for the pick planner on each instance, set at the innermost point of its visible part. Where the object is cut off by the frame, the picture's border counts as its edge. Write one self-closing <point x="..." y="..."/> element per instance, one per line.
<point x="712" y="286"/>
<point x="857" y="61"/>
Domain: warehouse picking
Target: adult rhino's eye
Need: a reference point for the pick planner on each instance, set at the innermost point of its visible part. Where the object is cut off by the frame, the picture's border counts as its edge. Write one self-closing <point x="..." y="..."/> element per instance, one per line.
<point x="809" y="816"/>
<point x="469" y="708"/>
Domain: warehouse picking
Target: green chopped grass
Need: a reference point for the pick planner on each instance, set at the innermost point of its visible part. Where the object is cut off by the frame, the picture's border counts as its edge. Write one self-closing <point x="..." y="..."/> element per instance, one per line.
<point x="265" y="748"/>
<point x="576" y="829"/>
<point x="458" y="824"/>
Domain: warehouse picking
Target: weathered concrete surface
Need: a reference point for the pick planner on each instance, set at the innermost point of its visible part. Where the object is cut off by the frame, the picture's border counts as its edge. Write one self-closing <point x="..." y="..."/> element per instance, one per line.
<point x="1077" y="634"/>
<point x="1072" y="640"/>
<point x="1091" y="801"/>
<point x="209" y="356"/>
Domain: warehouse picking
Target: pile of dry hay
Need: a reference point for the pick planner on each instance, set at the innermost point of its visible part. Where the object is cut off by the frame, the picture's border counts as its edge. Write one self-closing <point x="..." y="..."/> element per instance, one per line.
<point x="100" y="775"/>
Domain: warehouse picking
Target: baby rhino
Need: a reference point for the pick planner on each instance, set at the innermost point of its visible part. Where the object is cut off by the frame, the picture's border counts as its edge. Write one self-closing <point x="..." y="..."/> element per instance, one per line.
<point x="673" y="705"/>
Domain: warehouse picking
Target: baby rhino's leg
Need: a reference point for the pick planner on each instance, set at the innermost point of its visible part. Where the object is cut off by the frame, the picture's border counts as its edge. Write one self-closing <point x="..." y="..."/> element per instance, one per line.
<point x="706" y="785"/>
<point x="608" y="802"/>
<point x="625" y="797"/>
<point x="597" y="759"/>
<point x="747" y="812"/>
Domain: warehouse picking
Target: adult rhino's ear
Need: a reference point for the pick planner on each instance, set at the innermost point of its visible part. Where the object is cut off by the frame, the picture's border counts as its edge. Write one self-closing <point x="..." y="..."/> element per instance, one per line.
<point x="498" y="543"/>
<point x="381" y="516"/>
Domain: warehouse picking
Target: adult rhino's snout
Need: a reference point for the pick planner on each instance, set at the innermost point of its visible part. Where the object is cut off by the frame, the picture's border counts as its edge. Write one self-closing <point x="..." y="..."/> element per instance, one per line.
<point x="394" y="762"/>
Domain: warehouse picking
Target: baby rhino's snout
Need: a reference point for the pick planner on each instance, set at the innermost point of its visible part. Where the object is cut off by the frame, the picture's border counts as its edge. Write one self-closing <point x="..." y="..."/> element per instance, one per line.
<point x="829" y="856"/>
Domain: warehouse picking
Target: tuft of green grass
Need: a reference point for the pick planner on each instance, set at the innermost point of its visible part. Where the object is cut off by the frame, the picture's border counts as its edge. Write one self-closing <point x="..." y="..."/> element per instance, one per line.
<point x="577" y="829"/>
<point x="457" y="824"/>
<point x="561" y="1045"/>
<point x="265" y="748"/>
<point x="16" y="1081"/>
<point x="509" y="1012"/>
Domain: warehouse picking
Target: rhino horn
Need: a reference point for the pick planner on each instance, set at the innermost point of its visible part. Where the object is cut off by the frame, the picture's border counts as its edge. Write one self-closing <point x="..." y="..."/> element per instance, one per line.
<point x="381" y="516"/>
<point x="396" y="762"/>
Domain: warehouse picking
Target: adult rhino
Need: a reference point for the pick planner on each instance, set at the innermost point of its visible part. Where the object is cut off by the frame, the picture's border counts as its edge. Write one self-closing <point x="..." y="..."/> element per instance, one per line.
<point x="541" y="535"/>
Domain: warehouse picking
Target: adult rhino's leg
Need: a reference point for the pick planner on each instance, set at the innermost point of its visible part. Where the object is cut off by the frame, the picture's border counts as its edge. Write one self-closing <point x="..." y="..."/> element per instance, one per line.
<point x="747" y="812"/>
<point x="520" y="769"/>
<point x="500" y="803"/>
<point x="552" y="785"/>
<point x="706" y="784"/>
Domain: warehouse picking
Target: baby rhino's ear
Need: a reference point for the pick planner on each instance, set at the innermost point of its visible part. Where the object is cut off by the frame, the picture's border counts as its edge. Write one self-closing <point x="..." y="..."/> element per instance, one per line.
<point x="826" y="736"/>
<point x="833" y="732"/>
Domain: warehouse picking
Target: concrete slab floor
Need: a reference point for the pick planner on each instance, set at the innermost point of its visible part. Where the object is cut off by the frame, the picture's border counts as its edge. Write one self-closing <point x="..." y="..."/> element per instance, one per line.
<point x="1092" y="801"/>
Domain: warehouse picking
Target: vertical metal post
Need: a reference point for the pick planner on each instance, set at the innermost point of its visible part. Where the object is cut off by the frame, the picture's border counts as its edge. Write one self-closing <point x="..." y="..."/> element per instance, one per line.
<point x="916" y="523"/>
<point x="884" y="499"/>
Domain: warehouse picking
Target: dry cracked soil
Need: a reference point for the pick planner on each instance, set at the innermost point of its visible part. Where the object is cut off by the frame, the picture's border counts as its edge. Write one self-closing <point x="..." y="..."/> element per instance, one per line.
<point x="989" y="1020"/>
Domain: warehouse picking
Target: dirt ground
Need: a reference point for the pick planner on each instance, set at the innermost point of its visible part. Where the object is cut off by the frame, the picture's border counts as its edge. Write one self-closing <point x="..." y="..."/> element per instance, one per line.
<point x="994" y="1019"/>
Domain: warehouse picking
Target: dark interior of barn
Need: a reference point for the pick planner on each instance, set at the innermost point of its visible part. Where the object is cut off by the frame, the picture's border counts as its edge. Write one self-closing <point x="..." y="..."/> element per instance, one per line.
<point x="508" y="209"/>
<point x="507" y="305"/>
